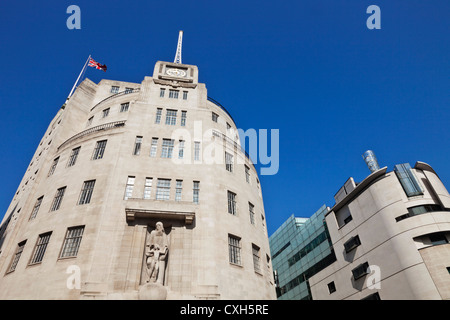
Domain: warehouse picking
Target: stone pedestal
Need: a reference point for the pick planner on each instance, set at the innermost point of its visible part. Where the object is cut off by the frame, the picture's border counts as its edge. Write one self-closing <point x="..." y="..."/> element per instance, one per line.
<point x="152" y="291"/>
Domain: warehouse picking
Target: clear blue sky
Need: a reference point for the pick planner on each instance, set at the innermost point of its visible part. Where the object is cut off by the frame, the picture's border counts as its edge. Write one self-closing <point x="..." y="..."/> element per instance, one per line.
<point x="311" y="69"/>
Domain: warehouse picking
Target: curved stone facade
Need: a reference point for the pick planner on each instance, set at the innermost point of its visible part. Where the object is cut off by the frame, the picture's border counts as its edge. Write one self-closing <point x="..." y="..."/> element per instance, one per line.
<point x="118" y="158"/>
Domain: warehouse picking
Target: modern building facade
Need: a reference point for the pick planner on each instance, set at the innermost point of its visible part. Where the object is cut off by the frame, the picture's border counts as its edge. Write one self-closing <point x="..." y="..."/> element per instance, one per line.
<point x="136" y="191"/>
<point x="390" y="234"/>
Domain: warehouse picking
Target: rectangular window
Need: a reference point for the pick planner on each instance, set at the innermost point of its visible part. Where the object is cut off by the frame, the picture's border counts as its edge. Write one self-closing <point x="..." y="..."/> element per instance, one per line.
<point x="408" y="179"/>
<point x="178" y="190"/>
<point x="234" y="249"/>
<point x="36" y="207"/>
<point x="89" y="122"/>
<point x="232" y="203"/>
<point x="247" y="174"/>
<point x="196" y="192"/>
<point x="181" y="149"/>
<point x="215" y="117"/>
<point x="129" y="188"/>
<point x="73" y="156"/>
<point x="256" y="258"/>
<point x="72" y="242"/>
<point x="331" y="287"/>
<point x="185" y="93"/>
<point x="167" y="148"/>
<point x="162" y="92"/>
<point x="163" y="189"/>
<point x="196" y="150"/>
<point x="40" y="248"/>
<point x="183" y="118"/>
<point x="105" y="113"/>
<point x="114" y="89"/>
<point x="360" y="270"/>
<point x="58" y="199"/>
<point x="124" y="107"/>
<point x="154" y="147"/>
<point x="158" y="115"/>
<point x="352" y="243"/>
<point x="99" y="150"/>
<point x="228" y="127"/>
<point x="171" y="117"/>
<point x="173" y="94"/>
<point x="17" y="255"/>
<point x="128" y="90"/>
<point x="137" y="145"/>
<point x="53" y="167"/>
<point x="438" y="238"/>
<point x="86" y="192"/>
<point x="228" y="161"/>
<point x="251" y="210"/>
<point x="148" y="188"/>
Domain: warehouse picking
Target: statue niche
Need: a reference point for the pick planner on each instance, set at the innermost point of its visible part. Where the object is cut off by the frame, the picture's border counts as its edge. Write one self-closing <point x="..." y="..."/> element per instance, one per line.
<point x="156" y="254"/>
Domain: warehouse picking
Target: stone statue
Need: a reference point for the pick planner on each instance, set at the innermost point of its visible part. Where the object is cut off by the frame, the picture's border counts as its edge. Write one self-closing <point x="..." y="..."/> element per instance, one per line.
<point x="156" y="252"/>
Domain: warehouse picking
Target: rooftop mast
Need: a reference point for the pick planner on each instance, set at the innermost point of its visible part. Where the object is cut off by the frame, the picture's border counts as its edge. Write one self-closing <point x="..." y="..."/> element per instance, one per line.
<point x="178" y="54"/>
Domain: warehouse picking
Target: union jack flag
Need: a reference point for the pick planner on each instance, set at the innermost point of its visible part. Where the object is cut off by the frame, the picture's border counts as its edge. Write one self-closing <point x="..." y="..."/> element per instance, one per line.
<point x="95" y="64"/>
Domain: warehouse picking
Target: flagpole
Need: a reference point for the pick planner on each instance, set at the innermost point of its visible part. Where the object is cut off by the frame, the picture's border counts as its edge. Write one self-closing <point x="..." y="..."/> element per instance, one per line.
<point x="76" y="82"/>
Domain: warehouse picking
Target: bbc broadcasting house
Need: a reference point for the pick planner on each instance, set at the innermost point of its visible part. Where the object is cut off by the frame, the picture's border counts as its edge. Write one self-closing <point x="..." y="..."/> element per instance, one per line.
<point x="117" y="193"/>
<point x="386" y="238"/>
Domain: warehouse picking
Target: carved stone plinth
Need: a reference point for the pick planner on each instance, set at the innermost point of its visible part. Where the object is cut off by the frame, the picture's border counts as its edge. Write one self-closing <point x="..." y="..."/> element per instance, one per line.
<point x="152" y="291"/>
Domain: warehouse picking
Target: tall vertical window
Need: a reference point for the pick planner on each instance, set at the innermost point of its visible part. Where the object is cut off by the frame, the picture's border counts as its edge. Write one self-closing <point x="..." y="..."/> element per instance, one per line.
<point x="129" y="188"/>
<point x="234" y="249"/>
<point x="247" y="174"/>
<point x="408" y="180"/>
<point x="114" y="89"/>
<point x="72" y="242"/>
<point x="196" y="150"/>
<point x="128" y="90"/>
<point x="89" y="122"/>
<point x="214" y="116"/>
<point x="86" y="192"/>
<point x="167" y="148"/>
<point x="162" y="92"/>
<point x="178" y="190"/>
<point x="41" y="247"/>
<point x="73" y="156"/>
<point x="158" y="115"/>
<point x="124" y="107"/>
<point x="173" y="94"/>
<point x="256" y="258"/>
<point x="17" y="255"/>
<point x="228" y="127"/>
<point x="196" y="192"/>
<point x="185" y="93"/>
<point x="99" y="150"/>
<point x="148" y="188"/>
<point x="181" y="149"/>
<point x="228" y="161"/>
<point x="36" y="207"/>
<point x="171" y="117"/>
<point x="53" y="167"/>
<point x="137" y="146"/>
<point x="183" y="118"/>
<point x="105" y="113"/>
<point x="163" y="189"/>
<point x="58" y="199"/>
<point x="232" y="203"/>
<point x="251" y="210"/>
<point x="154" y="147"/>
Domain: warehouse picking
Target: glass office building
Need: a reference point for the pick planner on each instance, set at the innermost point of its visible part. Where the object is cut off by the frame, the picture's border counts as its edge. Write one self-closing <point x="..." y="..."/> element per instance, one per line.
<point x="300" y="248"/>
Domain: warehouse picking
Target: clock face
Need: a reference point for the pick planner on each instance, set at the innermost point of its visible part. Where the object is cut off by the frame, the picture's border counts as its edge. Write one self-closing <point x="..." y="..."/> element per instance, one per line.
<point x="176" y="72"/>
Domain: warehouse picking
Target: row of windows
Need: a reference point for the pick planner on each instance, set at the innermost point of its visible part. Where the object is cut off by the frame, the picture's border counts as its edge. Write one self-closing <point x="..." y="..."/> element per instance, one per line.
<point x="232" y="208"/>
<point x="235" y="249"/>
<point x="171" y="117"/>
<point x="173" y="94"/>
<point x="115" y="89"/>
<point x="105" y="112"/>
<point x="69" y="248"/>
<point x="163" y="188"/>
<point x="84" y="198"/>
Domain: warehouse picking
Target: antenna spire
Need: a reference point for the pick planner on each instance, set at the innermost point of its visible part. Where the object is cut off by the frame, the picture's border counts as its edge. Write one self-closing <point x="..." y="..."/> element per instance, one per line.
<point x="178" y="54"/>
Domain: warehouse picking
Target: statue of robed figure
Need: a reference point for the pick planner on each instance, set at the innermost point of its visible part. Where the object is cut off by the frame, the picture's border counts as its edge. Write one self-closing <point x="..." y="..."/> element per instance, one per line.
<point x="156" y="252"/>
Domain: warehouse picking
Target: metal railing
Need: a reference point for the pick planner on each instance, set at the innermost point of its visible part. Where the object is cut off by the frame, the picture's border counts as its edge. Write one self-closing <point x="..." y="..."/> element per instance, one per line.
<point x="220" y="106"/>
<point x="106" y="126"/>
